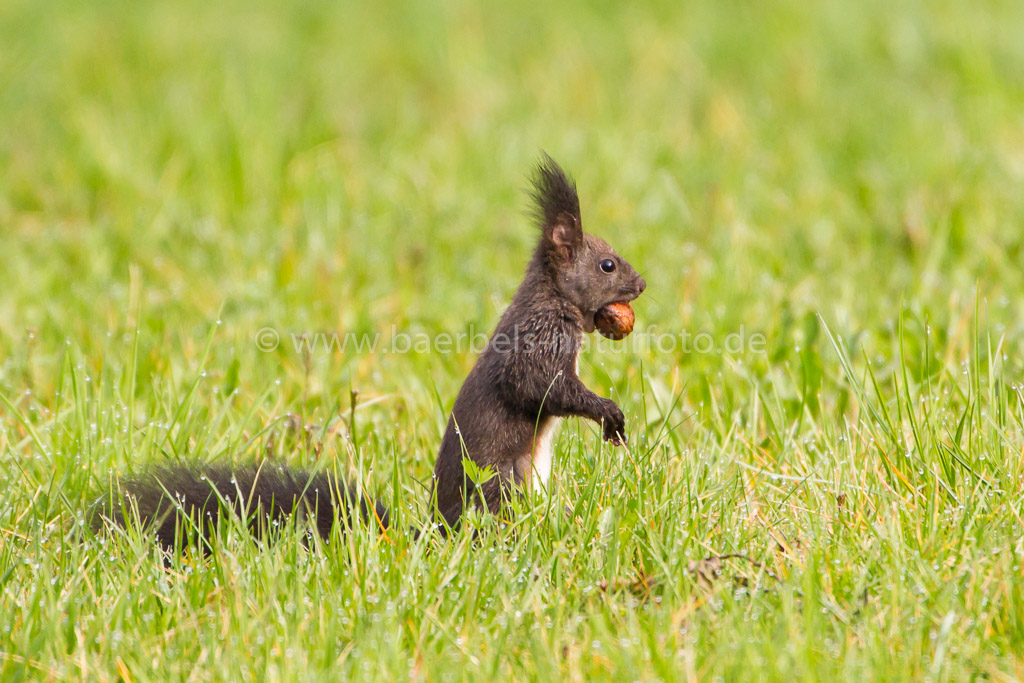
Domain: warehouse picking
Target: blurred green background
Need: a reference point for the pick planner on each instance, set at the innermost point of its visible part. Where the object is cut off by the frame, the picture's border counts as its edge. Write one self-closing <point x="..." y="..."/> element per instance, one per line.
<point x="349" y="166"/>
<point x="360" y="167"/>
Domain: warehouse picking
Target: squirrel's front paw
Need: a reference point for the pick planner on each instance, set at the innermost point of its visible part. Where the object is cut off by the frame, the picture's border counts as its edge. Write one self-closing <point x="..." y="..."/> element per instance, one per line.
<point x="614" y="424"/>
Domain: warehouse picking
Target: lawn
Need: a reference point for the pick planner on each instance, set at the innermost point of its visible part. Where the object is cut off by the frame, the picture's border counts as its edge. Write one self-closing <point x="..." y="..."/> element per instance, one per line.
<point x="824" y="393"/>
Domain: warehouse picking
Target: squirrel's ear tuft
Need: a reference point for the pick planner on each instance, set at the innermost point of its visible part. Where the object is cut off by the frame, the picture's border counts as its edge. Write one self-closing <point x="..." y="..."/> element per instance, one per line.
<point x="554" y="193"/>
<point x="557" y="208"/>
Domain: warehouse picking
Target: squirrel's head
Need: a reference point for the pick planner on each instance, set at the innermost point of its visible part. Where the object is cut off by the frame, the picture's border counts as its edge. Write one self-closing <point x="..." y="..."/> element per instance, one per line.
<point x="585" y="270"/>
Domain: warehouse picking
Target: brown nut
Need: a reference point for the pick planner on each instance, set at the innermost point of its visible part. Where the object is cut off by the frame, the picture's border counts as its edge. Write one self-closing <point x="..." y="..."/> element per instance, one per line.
<point x="615" y="321"/>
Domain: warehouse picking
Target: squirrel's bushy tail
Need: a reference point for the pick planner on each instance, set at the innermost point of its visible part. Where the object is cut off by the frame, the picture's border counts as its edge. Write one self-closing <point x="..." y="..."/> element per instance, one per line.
<point x="189" y="499"/>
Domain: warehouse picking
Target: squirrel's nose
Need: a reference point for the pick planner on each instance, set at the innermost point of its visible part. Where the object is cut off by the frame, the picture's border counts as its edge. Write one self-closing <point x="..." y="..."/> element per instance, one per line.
<point x="642" y="286"/>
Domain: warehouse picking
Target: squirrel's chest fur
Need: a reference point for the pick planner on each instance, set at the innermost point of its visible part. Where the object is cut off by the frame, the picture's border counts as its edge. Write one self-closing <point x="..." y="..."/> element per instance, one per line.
<point x="534" y="465"/>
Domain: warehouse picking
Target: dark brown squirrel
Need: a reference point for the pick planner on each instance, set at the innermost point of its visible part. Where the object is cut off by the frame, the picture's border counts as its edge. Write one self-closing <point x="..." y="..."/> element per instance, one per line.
<point x="526" y="378"/>
<point x="503" y="418"/>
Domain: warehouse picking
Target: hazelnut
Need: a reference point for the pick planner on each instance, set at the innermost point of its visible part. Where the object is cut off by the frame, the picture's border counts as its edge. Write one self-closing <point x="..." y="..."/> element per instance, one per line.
<point x="615" y="321"/>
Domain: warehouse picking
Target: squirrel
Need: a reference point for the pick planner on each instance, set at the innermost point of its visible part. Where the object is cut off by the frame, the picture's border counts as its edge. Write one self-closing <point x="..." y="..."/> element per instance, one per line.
<point x="504" y="417"/>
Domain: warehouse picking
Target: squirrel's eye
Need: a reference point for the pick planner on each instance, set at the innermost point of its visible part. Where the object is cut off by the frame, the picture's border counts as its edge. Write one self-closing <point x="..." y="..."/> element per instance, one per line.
<point x="608" y="265"/>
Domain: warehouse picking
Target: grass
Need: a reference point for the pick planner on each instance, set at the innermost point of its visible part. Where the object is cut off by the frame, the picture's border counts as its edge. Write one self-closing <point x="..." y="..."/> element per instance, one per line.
<point x="843" y="179"/>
